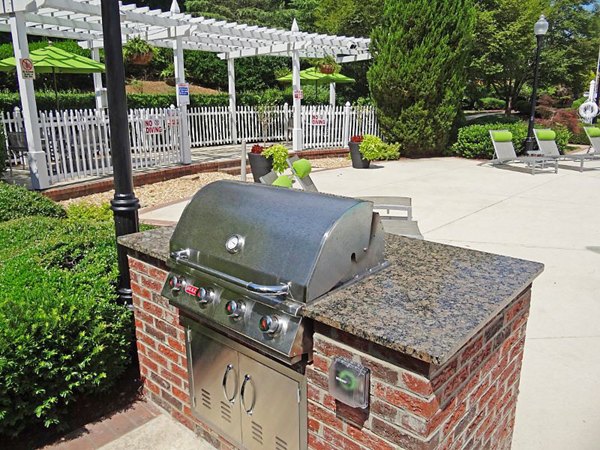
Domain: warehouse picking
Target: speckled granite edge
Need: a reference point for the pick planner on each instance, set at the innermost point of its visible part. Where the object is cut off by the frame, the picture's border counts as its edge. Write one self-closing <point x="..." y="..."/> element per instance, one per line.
<point x="154" y="243"/>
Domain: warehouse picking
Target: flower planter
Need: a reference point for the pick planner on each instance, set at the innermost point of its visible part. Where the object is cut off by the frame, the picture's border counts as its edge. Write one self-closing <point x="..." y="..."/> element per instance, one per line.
<point x="260" y="165"/>
<point x="358" y="162"/>
<point x="327" y="68"/>
<point x="141" y="59"/>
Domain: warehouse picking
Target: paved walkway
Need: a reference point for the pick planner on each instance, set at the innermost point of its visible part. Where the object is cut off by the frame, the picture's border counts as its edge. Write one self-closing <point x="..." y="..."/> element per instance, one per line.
<point x="551" y="218"/>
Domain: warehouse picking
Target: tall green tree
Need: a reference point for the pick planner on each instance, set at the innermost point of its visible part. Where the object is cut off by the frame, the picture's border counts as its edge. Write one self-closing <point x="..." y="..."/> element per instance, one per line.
<point x="418" y="73"/>
<point x="504" y="55"/>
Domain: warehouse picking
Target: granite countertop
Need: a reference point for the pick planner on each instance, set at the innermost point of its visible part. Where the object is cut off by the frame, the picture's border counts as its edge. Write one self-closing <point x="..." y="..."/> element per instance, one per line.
<point x="431" y="299"/>
<point x="428" y="303"/>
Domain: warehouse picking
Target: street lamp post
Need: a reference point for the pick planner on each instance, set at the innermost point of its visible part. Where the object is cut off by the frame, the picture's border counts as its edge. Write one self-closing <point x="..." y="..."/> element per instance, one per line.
<point x="540" y="29"/>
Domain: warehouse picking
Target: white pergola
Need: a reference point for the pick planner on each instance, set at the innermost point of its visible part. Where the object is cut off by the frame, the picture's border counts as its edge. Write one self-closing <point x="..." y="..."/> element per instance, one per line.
<point x="81" y="20"/>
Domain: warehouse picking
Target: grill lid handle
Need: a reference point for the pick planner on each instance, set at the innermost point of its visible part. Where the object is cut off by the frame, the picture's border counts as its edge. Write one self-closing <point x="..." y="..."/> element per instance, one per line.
<point x="182" y="257"/>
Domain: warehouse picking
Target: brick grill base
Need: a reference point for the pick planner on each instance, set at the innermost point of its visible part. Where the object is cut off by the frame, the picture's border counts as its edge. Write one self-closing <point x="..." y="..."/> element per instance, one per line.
<point x="468" y="402"/>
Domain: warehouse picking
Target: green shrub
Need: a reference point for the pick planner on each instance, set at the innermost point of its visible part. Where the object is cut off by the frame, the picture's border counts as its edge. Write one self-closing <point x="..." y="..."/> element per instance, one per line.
<point x="522" y="106"/>
<point x="86" y="211"/>
<point x="16" y="201"/>
<point x="474" y="140"/>
<point x="495" y="118"/>
<point x="62" y="336"/>
<point x="577" y="103"/>
<point x="279" y="154"/>
<point x="490" y="103"/>
<point x="373" y="148"/>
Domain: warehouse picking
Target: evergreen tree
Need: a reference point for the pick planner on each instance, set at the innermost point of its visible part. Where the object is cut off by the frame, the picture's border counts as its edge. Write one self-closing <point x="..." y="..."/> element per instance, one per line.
<point x="418" y="74"/>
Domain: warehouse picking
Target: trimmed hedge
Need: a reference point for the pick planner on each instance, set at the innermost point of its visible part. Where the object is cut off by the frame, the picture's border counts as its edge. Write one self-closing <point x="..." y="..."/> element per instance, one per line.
<point x="474" y="140"/>
<point x="490" y="103"/>
<point x="16" y="202"/>
<point x="62" y="335"/>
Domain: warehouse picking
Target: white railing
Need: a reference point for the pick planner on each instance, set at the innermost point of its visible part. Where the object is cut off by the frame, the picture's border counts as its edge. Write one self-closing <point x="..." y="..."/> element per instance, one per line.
<point x="323" y="125"/>
<point x="77" y="142"/>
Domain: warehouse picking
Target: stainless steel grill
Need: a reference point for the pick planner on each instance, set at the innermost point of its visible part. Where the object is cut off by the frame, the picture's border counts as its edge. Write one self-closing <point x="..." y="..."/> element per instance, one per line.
<point x="248" y="257"/>
<point x="245" y="260"/>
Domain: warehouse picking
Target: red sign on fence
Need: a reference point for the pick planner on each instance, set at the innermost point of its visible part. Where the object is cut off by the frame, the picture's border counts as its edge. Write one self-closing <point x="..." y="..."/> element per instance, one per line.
<point x="153" y="126"/>
<point x="318" y="120"/>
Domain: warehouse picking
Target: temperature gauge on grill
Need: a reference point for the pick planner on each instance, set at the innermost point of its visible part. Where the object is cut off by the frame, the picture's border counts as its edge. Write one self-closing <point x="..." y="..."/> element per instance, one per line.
<point x="235" y="309"/>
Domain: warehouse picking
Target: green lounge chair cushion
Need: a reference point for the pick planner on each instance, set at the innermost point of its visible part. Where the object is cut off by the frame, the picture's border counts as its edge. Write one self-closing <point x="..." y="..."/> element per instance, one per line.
<point x="302" y="167"/>
<point x="502" y="136"/>
<point x="593" y="131"/>
<point x="283" y="181"/>
<point x="545" y="135"/>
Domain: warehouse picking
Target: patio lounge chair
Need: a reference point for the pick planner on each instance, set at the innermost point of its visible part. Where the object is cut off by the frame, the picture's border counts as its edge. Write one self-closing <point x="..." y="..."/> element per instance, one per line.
<point x="546" y="142"/>
<point x="593" y="134"/>
<point x="504" y="153"/>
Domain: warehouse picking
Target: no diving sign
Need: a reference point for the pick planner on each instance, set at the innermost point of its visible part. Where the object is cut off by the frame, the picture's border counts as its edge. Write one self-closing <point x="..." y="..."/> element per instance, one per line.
<point x="27" y="69"/>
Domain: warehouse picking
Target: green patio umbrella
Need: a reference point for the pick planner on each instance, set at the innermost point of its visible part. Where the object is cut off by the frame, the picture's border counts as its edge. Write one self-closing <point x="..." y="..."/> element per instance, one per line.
<point x="313" y="75"/>
<point x="55" y="60"/>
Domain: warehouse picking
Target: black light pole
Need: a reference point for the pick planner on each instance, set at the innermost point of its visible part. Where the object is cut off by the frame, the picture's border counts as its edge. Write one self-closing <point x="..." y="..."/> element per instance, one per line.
<point x="124" y="203"/>
<point x="540" y="29"/>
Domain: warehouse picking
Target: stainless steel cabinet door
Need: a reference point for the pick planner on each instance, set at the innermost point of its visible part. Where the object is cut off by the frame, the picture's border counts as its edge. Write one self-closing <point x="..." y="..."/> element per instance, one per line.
<point x="216" y="384"/>
<point x="270" y="407"/>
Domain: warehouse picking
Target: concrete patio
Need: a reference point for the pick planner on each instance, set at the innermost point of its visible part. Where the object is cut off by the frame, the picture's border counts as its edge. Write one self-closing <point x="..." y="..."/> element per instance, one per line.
<point x="551" y="218"/>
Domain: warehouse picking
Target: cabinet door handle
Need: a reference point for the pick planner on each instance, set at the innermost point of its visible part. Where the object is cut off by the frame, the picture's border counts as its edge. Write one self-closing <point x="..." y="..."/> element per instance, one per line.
<point x="250" y="410"/>
<point x="228" y="369"/>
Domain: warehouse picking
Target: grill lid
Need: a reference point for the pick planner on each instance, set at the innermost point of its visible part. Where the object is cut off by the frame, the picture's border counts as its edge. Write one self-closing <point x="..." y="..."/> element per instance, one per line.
<point x="273" y="240"/>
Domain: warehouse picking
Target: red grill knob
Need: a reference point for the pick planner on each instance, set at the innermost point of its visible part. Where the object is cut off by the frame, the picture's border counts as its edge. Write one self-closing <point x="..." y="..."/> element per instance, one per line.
<point x="269" y="324"/>
<point x="235" y="309"/>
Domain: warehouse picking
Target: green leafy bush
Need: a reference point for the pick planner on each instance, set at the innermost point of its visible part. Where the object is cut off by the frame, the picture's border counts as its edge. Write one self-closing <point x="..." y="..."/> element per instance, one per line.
<point x="490" y="103"/>
<point x="87" y="211"/>
<point x="577" y="103"/>
<point x="62" y="336"/>
<point x="373" y="148"/>
<point x="16" y="202"/>
<point x="279" y="154"/>
<point x="474" y="140"/>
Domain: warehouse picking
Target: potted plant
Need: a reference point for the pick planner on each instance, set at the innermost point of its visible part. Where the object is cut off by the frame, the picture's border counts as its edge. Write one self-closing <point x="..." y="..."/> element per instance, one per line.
<point x="259" y="164"/>
<point x="367" y="148"/>
<point x="138" y="52"/>
<point x="358" y="162"/>
<point x="328" y="65"/>
<point x="264" y="159"/>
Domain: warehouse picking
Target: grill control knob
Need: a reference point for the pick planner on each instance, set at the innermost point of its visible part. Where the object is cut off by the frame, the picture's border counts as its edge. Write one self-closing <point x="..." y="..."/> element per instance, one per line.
<point x="205" y="296"/>
<point x="175" y="283"/>
<point x="235" y="309"/>
<point x="269" y="324"/>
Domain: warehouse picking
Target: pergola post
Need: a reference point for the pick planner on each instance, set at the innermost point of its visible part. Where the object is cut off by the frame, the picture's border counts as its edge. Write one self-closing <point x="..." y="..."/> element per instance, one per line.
<point x="186" y="153"/>
<point x="332" y="94"/>
<point x="232" y="102"/>
<point x="36" y="157"/>
<point x="97" y="76"/>
<point x="297" y="138"/>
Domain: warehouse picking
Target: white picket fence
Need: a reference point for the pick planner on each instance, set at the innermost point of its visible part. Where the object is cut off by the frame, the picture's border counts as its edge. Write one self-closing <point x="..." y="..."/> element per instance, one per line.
<point x="77" y="142"/>
<point x="323" y="125"/>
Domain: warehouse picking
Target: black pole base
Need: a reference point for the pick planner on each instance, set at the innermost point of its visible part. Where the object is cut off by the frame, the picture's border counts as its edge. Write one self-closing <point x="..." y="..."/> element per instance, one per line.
<point x="125" y="207"/>
<point x="529" y="144"/>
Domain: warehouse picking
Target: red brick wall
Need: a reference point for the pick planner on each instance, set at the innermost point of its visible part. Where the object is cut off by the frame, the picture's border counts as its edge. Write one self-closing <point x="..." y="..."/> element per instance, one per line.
<point x="468" y="402"/>
<point x="161" y="349"/>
